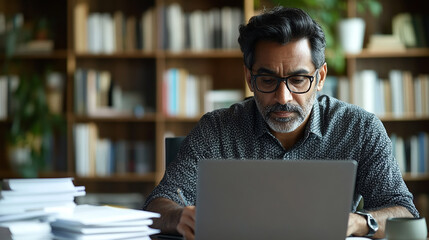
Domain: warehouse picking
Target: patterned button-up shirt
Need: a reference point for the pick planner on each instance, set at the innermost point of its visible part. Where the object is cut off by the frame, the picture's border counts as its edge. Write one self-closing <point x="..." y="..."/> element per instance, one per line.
<point x="336" y="131"/>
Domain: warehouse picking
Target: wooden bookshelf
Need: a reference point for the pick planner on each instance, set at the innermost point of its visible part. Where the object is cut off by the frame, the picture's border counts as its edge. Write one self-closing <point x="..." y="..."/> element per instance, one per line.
<point x="135" y="70"/>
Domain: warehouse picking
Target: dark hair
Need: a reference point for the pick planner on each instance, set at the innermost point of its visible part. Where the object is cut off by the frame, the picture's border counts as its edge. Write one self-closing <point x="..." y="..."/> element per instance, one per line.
<point x="282" y="25"/>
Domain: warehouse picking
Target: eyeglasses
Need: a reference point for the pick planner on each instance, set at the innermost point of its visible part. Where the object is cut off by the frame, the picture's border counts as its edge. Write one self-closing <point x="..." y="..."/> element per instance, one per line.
<point x="298" y="84"/>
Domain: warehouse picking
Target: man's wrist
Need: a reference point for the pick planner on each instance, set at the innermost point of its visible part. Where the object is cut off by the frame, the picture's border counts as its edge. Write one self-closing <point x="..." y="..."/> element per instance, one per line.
<point x="370" y="225"/>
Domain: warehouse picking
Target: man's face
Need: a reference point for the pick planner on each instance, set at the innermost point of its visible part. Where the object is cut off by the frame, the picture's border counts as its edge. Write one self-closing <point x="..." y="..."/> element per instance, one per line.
<point x="284" y="111"/>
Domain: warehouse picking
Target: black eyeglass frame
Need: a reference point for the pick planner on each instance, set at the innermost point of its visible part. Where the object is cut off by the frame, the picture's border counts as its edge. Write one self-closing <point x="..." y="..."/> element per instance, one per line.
<point x="283" y="79"/>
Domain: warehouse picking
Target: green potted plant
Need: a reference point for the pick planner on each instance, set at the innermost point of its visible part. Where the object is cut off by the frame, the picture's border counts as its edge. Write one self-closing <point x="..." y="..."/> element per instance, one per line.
<point x="329" y="13"/>
<point x="33" y="125"/>
<point x="32" y="121"/>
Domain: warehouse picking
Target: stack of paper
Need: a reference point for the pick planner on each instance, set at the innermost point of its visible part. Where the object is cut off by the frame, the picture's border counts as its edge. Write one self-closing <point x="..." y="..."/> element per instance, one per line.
<point x="35" y="198"/>
<point x="27" y="206"/>
<point x="25" y="230"/>
<point x="103" y="222"/>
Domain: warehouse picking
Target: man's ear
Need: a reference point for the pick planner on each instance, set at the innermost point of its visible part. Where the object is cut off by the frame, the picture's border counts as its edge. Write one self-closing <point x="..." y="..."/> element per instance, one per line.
<point x="323" y="71"/>
<point x="248" y="78"/>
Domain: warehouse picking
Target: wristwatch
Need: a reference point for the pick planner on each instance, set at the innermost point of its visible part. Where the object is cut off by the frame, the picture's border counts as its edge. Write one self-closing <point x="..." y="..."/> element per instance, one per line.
<point x="372" y="223"/>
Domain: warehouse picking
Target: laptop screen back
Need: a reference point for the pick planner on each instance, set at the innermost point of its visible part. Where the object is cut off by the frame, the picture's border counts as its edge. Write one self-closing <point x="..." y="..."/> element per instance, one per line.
<point x="274" y="199"/>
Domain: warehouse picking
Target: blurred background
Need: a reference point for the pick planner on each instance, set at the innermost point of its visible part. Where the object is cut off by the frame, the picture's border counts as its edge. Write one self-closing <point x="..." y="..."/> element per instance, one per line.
<point x="90" y="89"/>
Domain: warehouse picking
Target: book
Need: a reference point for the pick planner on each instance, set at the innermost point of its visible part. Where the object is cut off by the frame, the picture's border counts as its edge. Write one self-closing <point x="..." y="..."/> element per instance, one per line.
<point x="103" y="157"/>
<point x="79" y="91"/>
<point x="149" y="31"/>
<point x="121" y="156"/>
<point x="423" y="152"/>
<point x="108" y="33"/>
<point x="80" y="12"/>
<point x="130" y="36"/>
<point x="3" y="97"/>
<point x="175" y="27"/>
<point x="414" y="155"/>
<point x="95" y="34"/>
<point x="366" y="90"/>
<point x="344" y="89"/>
<point x="402" y="26"/>
<point x="104" y="83"/>
<point x="408" y="93"/>
<point x="196" y="30"/>
<point x="419" y="30"/>
<point x="395" y="78"/>
<point x="385" y="42"/>
<point x="387" y="90"/>
<point x="399" y="151"/>
<point x="118" y="29"/>
<point x="418" y="95"/>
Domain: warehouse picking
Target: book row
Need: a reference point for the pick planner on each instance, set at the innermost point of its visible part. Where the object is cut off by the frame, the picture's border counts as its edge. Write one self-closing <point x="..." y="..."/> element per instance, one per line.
<point x="412" y="29"/>
<point x="97" y="32"/>
<point x="95" y="156"/>
<point x="400" y="94"/>
<point x="188" y="95"/>
<point x="412" y="153"/>
<point x="200" y="30"/>
<point x="97" y="94"/>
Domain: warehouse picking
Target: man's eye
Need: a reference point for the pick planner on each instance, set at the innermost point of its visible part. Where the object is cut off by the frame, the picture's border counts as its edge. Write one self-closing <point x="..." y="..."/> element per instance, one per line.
<point x="297" y="80"/>
<point x="268" y="80"/>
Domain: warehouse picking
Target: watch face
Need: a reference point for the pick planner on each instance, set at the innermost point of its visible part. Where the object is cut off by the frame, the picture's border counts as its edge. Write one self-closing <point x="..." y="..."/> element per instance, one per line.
<point x="372" y="223"/>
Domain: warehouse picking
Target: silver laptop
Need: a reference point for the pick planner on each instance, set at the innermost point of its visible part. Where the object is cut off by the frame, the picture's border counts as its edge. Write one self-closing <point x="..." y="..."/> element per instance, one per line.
<point x="274" y="199"/>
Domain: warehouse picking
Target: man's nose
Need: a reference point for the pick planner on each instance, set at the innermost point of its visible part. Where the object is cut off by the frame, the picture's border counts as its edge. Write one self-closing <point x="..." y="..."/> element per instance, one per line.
<point x="283" y="95"/>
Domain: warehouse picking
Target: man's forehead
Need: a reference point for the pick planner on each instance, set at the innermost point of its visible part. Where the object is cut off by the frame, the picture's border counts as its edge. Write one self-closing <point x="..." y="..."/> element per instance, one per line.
<point x="277" y="57"/>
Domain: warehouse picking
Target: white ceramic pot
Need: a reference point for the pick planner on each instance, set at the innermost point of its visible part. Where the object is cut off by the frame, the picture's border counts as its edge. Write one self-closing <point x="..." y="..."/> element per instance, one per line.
<point x="351" y="34"/>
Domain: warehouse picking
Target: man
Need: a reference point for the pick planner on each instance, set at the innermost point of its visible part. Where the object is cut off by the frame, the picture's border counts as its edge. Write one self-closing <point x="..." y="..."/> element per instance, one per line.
<point x="285" y="66"/>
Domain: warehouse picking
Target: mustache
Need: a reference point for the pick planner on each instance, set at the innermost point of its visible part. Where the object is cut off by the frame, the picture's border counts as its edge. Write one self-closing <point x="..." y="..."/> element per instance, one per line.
<point x="288" y="107"/>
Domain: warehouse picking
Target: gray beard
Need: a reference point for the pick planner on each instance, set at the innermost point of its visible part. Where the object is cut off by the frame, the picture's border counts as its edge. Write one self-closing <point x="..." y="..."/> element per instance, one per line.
<point x="289" y="124"/>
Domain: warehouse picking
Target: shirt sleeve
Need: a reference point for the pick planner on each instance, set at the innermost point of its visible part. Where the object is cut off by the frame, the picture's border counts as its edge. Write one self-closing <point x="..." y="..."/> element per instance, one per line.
<point x="379" y="179"/>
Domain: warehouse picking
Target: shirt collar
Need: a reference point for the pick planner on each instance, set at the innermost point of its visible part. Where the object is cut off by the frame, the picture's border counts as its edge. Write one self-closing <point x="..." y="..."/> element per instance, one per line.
<point x="314" y="124"/>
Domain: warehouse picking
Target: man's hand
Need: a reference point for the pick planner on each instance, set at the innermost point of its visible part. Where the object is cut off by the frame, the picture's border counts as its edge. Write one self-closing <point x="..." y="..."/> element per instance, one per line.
<point x="186" y="225"/>
<point x="357" y="225"/>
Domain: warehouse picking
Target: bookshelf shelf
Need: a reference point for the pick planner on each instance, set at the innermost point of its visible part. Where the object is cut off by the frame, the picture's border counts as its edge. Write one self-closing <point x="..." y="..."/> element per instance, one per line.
<point x="128" y="177"/>
<point x="124" y="55"/>
<point x="57" y="54"/>
<point x="182" y="119"/>
<point x="124" y="119"/>
<point x="409" y="118"/>
<point x="408" y="177"/>
<point x="408" y="53"/>
<point x="203" y="54"/>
